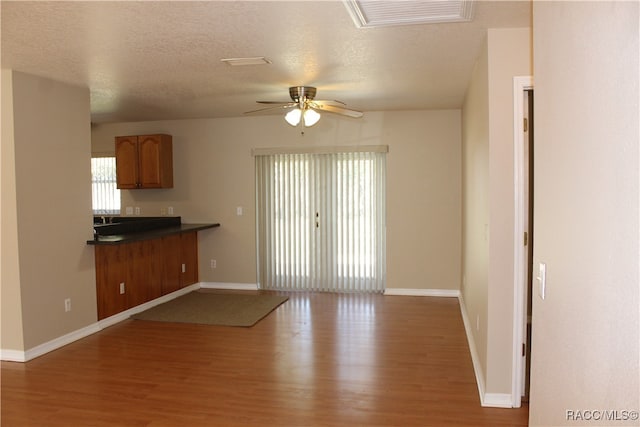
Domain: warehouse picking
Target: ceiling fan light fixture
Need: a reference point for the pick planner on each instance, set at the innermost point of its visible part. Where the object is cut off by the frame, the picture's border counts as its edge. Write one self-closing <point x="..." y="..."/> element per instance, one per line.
<point x="293" y="117"/>
<point x="311" y="117"/>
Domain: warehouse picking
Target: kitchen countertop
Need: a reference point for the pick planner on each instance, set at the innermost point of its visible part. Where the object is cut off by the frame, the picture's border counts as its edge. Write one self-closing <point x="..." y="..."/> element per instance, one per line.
<point x="117" y="239"/>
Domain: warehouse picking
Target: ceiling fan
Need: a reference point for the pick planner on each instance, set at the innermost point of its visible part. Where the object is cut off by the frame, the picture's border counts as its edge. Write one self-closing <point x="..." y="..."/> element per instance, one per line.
<point x="303" y="108"/>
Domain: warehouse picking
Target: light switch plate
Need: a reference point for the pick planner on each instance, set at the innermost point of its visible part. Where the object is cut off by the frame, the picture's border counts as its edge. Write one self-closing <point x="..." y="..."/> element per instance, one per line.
<point x="542" y="279"/>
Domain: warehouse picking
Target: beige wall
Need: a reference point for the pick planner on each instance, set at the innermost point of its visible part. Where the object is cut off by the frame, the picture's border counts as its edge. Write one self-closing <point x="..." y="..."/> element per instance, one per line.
<point x="51" y="135"/>
<point x="509" y="56"/>
<point x="489" y="201"/>
<point x="475" y="212"/>
<point x="11" y="310"/>
<point x="586" y="332"/>
<point x="214" y="173"/>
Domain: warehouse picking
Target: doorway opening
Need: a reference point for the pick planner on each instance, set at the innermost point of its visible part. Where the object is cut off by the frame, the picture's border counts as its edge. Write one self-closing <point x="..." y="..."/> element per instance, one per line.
<point x="528" y="164"/>
<point x="523" y="237"/>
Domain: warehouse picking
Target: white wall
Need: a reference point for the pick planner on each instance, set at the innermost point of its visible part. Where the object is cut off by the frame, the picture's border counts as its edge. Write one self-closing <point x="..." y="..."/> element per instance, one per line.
<point x="214" y="173"/>
<point x="586" y="332"/>
<point x="52" y="198"/>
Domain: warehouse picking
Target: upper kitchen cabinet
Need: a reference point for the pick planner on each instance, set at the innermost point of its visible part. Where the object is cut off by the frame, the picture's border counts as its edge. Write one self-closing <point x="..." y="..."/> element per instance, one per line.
<point x="144" y="161"/>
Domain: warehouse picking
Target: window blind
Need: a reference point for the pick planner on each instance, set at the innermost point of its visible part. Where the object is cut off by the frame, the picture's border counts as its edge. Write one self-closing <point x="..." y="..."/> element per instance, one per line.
<point x="105" y="194"/>
<point x="321" y="221"/>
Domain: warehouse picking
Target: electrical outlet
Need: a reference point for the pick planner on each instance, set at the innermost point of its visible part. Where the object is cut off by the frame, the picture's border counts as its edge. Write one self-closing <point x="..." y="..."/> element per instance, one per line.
<point x="214" y="264"/>
<point x="121" y="288"/>
<point x="137" y="210"/>
<point x="67" y="305"/>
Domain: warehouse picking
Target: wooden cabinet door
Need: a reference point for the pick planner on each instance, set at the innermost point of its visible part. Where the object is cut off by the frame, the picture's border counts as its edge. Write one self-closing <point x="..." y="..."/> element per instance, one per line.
<point x="144" y="161"/>
<point x="112" y="268"/>
<point x="146" y="272"/>
<point x="171" y="263"/>
<point x="189" y="253"/>
<point x="155" y="161"/>
<point x="127" y="162"/>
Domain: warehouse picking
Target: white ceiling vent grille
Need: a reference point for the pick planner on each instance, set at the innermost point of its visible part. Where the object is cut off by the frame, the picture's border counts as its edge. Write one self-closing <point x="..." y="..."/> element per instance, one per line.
<point x="380" y="13"/>
<point x="238" y="62"/>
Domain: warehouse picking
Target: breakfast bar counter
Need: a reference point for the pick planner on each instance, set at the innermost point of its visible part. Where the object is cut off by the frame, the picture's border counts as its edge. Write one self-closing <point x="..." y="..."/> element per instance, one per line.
<point x="139" y="260"/>
<point x="136" y="236"/>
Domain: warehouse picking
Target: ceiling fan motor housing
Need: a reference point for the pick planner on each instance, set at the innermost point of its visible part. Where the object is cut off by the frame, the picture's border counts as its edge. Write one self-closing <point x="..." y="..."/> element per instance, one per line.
<point x="302" y="93"/>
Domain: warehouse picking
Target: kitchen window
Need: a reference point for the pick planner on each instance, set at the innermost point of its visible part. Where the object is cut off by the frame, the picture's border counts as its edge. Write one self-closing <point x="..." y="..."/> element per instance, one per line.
<point x="105" y="194"/>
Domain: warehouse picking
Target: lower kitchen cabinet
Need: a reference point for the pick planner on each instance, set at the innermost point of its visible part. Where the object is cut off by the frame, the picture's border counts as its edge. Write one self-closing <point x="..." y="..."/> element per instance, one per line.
<point x="112" y="272"/>
<point x="179" y="261"/>
<point x="130" y="274"/>
<point x="145" y="272"/>
<point x="171" y="263"/>
<point x="189" y="248"/>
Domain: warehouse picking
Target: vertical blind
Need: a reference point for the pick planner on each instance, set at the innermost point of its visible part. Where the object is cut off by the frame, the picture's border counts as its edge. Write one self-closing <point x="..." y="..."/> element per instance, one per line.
<point x="321" y="221"/>
<point x="105" y="194"/>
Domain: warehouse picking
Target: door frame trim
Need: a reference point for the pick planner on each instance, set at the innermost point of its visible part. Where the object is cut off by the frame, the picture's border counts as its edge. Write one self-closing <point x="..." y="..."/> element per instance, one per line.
<point x="520" y="84"/>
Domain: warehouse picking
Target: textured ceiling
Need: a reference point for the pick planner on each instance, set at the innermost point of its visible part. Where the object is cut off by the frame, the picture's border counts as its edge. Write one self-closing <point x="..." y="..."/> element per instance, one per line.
<point x="157" y="60"/>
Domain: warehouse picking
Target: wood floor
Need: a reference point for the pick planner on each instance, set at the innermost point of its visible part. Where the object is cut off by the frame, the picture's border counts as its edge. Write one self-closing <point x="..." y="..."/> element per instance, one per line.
<point x="317" y="360"/>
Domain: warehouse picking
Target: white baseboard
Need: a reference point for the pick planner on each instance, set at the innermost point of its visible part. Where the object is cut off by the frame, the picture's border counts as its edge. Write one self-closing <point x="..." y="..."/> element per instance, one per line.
<point x="124" y="315"/>
<point x="493" y="400"/>
<point x="56" y="343"/>
<point x="234" y="286"/>
<point x="497" y="400"/>
<point x="452" y="293"/>
<point x="12" y="355"/>
<point x="477" y="368"/>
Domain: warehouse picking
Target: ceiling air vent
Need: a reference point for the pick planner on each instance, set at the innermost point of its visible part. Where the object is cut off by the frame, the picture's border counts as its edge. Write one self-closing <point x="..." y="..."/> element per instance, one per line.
<point x="380" y="13"/>
<point x="238" y="62"/>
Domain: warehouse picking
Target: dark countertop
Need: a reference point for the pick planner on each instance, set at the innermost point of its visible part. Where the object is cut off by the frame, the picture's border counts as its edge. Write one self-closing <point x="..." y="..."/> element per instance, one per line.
<point x="117" y="239"/>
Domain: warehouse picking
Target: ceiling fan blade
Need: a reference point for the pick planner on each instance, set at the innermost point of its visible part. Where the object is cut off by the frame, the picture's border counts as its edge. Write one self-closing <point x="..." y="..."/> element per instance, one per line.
<point x="277" y="107"/>
<point x="329" y="102"/>
<point x="274" y="102"/>
<point x="337" y="110"/>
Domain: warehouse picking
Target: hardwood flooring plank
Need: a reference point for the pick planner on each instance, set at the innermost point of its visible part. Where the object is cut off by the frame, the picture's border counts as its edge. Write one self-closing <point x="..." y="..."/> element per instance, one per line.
<point x="317" y="360"/>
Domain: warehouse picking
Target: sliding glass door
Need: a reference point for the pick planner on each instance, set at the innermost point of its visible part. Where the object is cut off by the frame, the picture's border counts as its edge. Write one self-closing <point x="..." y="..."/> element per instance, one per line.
<point x="321" y="221"/>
